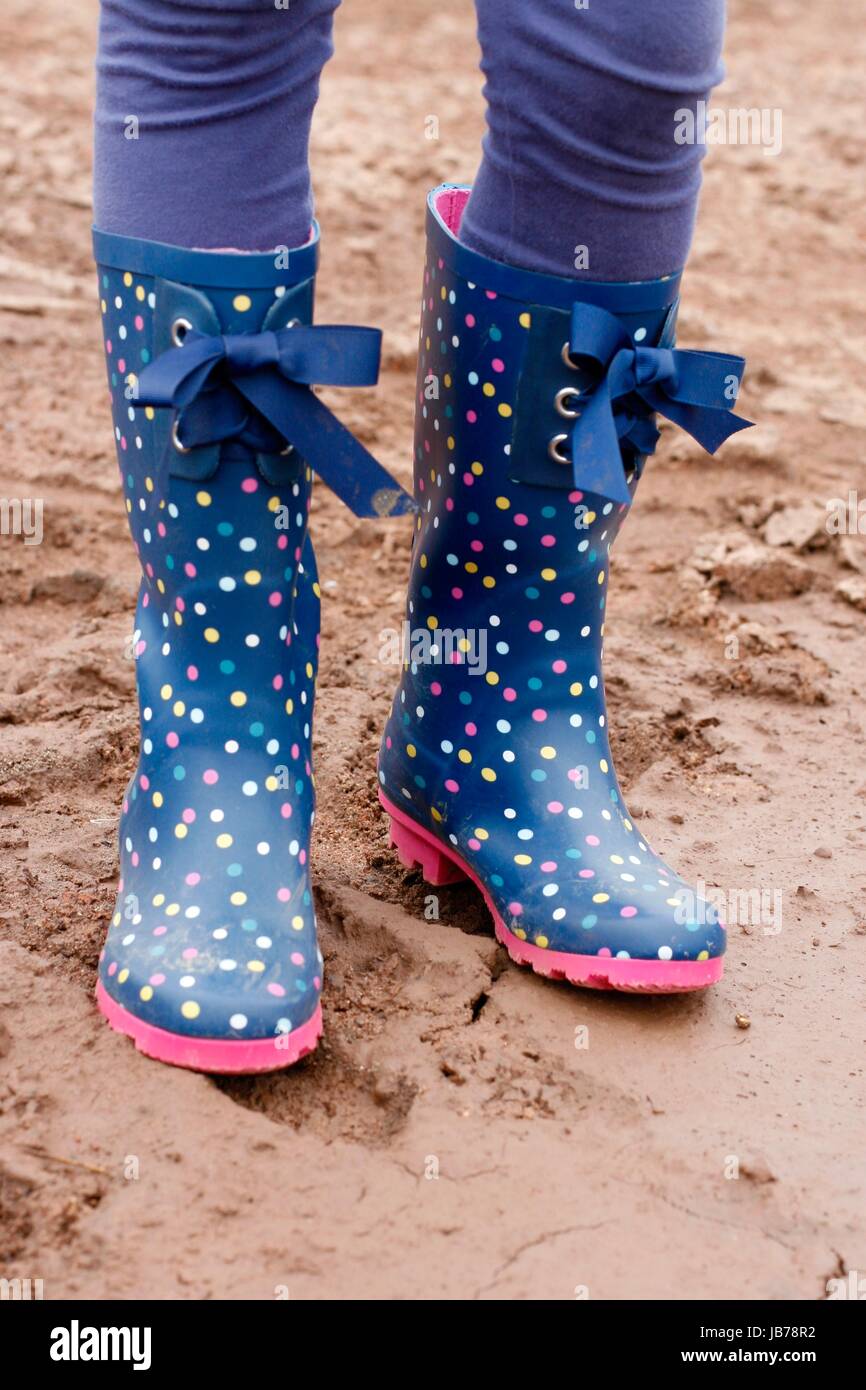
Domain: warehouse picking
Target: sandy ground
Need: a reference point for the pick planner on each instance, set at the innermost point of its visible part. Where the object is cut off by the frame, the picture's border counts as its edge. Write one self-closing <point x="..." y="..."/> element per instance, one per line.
<point x="466" y="1130"/>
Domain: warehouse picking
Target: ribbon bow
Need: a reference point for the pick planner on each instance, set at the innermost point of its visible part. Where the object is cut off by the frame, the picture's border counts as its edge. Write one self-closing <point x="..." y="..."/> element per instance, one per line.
<point x="214" y="381"/>
<point x="697" y="390"/>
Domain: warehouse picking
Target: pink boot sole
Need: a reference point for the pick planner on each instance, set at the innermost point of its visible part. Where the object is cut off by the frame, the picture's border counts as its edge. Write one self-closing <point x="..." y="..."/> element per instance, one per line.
<point x="212" y="1054"/>
<point x="441" y="865"/>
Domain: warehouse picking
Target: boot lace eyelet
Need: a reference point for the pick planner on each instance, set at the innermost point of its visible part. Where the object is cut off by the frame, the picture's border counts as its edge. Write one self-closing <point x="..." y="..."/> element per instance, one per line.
<point x="179" y="330"/>
<point x="554" y="449"/>
<point x="560" y="402"/>
<point x="566" y="357"/>
<point x="175" y="439"/>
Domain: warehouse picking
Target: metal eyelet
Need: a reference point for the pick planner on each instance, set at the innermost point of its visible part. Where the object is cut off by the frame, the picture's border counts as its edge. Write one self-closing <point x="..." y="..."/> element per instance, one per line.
<point x="566" y="357"/>
<point x="179" y="330"/>
<point x="175" y="439"/>
<point x="560" y="399"/>
<point x="554" y="448"/>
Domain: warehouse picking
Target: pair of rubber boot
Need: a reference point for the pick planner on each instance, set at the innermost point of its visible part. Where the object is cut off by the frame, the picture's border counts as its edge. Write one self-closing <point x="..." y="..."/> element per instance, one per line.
<point x="535" y="415"/>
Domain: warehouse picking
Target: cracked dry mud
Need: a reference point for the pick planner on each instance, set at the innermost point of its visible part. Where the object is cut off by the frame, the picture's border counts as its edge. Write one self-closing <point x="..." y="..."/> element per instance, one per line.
<point x="449" y="1139"/>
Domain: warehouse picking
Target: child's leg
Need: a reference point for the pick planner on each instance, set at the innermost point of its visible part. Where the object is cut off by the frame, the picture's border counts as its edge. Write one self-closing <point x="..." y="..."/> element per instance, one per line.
<point x="203" y="114"/>
<point x="580" y="148"/>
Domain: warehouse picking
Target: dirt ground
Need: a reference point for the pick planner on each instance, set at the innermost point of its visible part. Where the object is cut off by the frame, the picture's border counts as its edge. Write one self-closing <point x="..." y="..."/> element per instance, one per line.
<point x="466" y="1130"/>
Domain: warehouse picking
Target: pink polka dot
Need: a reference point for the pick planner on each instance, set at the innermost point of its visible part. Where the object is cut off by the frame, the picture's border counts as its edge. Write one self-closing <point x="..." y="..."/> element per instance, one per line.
<point x="157" y="979"/>
<point x="473" y="843"/>
<point x="567" y="597"/>
<point x="587" y="873"/>
<point x="144" y="782"/>
<point x="112" y="969"/>
<point x="193" y="879"/>
<point x="469" y="321"/>
<point x="628" y="912"/>
<point x="284" y="894"/>
<point x="277" y="990"/>
<point x="539" y="715"/>
<point x="593" y="840"/>
<point x="521" y="519"/>
<point x="536" y="626"/>
<point x="471" y="729"/>
<point x="549" y="866"/>
<point x="554" y="807"/>
<point x="189" y="570"/>
<point x="160" y="931"/>
<point x="605" y="951"/>
<point x="138" y="321"/>
<point x="285" y="810"/>
<point x="477" y="546"/>
<point x="451" y="785"/>
<point x="457" y="593"/>
<point x="135" y="860"/>
<point x="210" y="776"/>
<point x="575" y="497"/>
<point x="296" y="958"/>
<point x="249" y="485"/>
<point x="509" y="694"/>
<point x="471" y="416"/>
<point x="435" y="689"/>
<point x="189" y="953"/>
<point x="275" y="599"/>
<point x="188" y="815"/>
<point x="277" y="682"/>
<point x="516" y="909"/>
<point x="282" y="542"/>
<point x="498" y="365"/>
<point x="172" y="739"/>
<point x="559" y="666"/>
<point x="192" y="673"/>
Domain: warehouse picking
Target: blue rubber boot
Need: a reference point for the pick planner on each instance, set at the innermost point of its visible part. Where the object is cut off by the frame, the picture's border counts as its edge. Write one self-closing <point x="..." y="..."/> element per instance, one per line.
<point x="536" y="401"/>
<point x="211" y="960"/>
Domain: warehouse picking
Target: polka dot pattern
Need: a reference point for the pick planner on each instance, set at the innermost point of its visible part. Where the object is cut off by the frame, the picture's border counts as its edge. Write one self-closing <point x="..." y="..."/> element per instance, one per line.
<point x="213" y="933"/>
<point x="498" y="745"/>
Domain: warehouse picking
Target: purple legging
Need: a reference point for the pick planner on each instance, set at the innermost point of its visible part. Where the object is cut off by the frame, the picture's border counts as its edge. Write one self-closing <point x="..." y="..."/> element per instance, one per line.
<point x="204" y="107"/>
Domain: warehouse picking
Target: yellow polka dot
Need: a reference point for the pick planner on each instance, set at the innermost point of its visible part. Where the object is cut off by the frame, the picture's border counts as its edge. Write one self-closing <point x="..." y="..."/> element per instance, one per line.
<point x="257" y="966"/>
<point x="252" y="577"/>
<point x="525" y="320"/>
<point x="116" y="919"/>
<point x="617" y="859"/>
<point x="204" y="499"/>
<point x="242" y="302"/>
<point x="450" y="441"/>
<point x="103" y="306"/>
<point x="672" y="902"/>
<point x="437" y="815"/>
<point x="149" y="412"/>
<point x="589" y="518"/>
<point x="481" y="834"/>
<point x="158" y="898"/>
<point x="505" y="410"/>
<point x="492" y="678"/>
<point x="601" y="576"/>
<point x="172" y="910"/>
<point x="703" y="955"/>
<point x="518" y="931"/>
<point x="123" y="976"/>
<point x="318" y="592"/>
<point x="178" y="708"/>
<point x="423" y="562"/>
<point x="600" y="897"/>
<point x="503" y="504"/>
<point x="165" y="692"/>
<point x="541" y="941"/>
<point x="139" y="294"/>
<point x="488" y="774"/>
<point x="489" y="389"/>
<point x="464" y="644"/>
<point x="447" y="379"/>
<point x="548" y="574"/>
<point x="211" y="634"/>
<point x="464" y="755"/>
<point x="523" y="859"/>
<point x="627" y="823"/>
<point x="190" y="1009"/>
<point x="224" y="841"/>
<point x="178" y="619"/>
<point x="148" y="483"/>
<point x="238" y="899"/>
<point x="489" y="582"/>
<point x="181" y="831"/>
<point x="442" y="292"/>
<point x="238" y="699"/>
<point x="477" y="469"/>
<point x="471" y="567"/>
<point x="548" y="752"/>
<point x="309" y="669"/>
<point x="160" y="585"/>
<point x="298" y="923"/>
<point x="432" y="623"/>
<point x="127" y="279"/>
<point x="411" y="750"/>
<point x="575" y="688"/>
<point x="157" y="799"/>
<point x="273" y="504"/>
<point x="145" y="993"/>
<point x="604" y="767"/>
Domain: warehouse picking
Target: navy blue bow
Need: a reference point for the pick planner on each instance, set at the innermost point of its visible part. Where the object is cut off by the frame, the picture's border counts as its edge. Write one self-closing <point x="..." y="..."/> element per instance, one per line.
<point x="697" y="390"/>
<point x="213" y="381"/>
